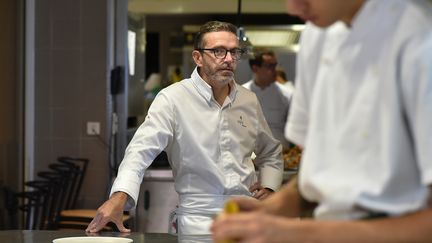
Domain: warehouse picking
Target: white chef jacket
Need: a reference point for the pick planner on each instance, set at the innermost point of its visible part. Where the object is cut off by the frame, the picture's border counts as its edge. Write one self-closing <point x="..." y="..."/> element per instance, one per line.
<point x="367" y="106"/>
<point x="275" y="100"/>
<point x="209" y="149"/>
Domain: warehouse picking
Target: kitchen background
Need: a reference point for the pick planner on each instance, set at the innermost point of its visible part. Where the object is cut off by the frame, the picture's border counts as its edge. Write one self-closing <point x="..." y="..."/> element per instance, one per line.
<point x="57" y="60"/>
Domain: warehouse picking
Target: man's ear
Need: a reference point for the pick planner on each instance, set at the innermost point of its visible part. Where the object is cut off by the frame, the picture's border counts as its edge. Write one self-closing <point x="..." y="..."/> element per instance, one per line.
<point x="196" y="55"/>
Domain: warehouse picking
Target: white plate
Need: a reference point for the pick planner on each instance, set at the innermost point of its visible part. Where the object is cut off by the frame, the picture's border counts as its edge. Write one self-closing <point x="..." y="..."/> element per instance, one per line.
<point x="89" y="239"/>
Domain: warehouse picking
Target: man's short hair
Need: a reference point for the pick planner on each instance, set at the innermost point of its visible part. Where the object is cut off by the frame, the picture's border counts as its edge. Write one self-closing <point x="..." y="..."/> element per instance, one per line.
<point x="212" y="26"/>
<point x="258" y="54"/>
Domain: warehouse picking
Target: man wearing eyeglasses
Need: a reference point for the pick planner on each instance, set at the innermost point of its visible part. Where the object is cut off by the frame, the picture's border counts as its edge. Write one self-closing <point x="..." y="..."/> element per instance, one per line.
<point x="209" y="126"/>
<point x="274" y="97"/>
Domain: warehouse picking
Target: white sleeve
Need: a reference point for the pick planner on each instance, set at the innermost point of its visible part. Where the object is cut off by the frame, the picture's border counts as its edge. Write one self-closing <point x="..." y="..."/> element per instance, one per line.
<point x="306" y="70"/>
<point x="314" y="41"/>
<point x="150" y="139"/>
<point x="416" y="86"/>
<point x="268" y="152"/>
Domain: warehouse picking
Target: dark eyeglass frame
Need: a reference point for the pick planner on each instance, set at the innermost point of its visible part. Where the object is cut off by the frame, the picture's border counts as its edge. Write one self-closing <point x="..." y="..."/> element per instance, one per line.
<point x="221" y="53"/>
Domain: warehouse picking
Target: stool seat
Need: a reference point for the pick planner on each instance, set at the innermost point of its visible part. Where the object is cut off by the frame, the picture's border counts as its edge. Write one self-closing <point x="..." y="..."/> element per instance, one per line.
<point x="80" y="218"/>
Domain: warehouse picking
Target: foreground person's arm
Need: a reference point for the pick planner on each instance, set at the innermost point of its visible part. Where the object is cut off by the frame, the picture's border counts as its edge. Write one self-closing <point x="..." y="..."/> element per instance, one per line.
<point x="260" y="226"/>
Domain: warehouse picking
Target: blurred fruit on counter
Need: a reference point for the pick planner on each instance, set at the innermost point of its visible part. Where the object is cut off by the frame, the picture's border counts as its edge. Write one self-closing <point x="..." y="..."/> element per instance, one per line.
<point x="292" y="157"/>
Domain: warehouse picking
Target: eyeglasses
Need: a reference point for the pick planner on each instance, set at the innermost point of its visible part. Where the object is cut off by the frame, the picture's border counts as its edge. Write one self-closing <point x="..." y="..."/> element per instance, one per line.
<point x="221" y="53"/>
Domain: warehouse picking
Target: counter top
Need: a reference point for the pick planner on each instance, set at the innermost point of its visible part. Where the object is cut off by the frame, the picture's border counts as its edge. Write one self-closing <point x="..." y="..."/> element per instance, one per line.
<point x="45" y="236"/>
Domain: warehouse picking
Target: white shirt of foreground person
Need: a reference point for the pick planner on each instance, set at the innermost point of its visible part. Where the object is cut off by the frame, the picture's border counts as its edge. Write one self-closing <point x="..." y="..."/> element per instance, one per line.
<point x="209" y="148"/>
<point x="365" y="116"/>
<point x="275" y="100"/>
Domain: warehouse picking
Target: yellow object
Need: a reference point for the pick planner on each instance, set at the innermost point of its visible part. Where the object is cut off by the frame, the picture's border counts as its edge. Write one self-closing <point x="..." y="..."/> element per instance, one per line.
<point x="230" y="207"/>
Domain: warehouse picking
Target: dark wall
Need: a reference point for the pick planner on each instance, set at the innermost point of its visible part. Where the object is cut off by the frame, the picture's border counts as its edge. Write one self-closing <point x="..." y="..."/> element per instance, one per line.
<point x="10" y="166"/>
<point x="71" y="77"/>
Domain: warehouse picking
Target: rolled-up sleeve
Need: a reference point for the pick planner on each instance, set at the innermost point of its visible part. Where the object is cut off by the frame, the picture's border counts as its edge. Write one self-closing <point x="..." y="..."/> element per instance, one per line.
<point x="268" y="155"/>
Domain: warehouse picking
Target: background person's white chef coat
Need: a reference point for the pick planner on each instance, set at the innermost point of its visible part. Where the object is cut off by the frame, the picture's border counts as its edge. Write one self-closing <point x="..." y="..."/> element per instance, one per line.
<point x="208" y="146"/>
<point x="275" y="100"/>
<point x="368" y="111"/>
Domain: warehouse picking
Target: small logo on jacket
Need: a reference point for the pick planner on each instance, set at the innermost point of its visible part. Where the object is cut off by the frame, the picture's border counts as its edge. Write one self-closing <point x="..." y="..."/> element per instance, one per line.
<point x="240" y="121"/>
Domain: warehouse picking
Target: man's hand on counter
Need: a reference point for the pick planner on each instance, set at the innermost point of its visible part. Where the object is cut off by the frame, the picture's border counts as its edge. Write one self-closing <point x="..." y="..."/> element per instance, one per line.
<point x="259" y="192"/>
<point x="110" y="211"/>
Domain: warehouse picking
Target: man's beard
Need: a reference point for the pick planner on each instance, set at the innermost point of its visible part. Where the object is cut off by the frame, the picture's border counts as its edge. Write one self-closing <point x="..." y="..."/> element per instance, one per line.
<point x="223" y="80"/>
<point x="217" y="76"/>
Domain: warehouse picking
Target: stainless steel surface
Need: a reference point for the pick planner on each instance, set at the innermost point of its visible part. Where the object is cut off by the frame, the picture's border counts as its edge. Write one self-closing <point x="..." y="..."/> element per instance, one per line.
<point x="36" y="236"/>
<point x="156" y="200"/>
<point x="204" y="6"/>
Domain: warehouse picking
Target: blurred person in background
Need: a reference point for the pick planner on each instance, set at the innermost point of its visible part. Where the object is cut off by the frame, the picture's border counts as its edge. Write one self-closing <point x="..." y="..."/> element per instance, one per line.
<point x="281" y="75"/>
<point x="274" y="97"/>
<point x="362" y="110"/>
<point x="208" y="126"/>
<point x="282" y="79"/>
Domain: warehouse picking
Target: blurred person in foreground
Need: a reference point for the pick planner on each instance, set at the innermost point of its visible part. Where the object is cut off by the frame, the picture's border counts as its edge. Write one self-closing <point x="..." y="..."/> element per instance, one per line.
<point x="362" y="111"/>
<point x="209" y="126"/>
<point x="274" y="97"/>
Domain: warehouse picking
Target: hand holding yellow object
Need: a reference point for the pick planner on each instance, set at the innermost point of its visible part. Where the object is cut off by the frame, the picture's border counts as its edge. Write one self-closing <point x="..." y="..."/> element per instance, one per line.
<point x="230" y="207"/>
